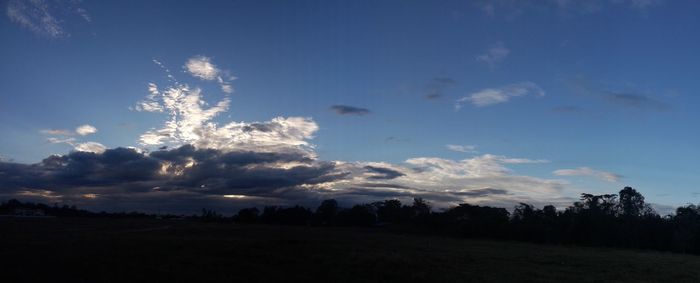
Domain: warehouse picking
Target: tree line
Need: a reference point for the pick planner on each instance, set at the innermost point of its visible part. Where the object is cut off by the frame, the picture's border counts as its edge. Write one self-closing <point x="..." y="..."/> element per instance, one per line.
<point x="612" y="220"/>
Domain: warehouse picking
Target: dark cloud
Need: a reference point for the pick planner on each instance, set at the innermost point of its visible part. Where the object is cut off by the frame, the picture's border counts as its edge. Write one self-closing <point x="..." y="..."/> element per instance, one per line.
<point x="381" y="173"/>
<point x="567" y="109"/>
<point x="184" y="173"/>
<point x="436" y="88"/>
<point x="635" y="100"/>
<point x="629" y="97"/>
<point x="395" y="139"/>
<point x="381" y="191"/>
<point x="349" y="110"/>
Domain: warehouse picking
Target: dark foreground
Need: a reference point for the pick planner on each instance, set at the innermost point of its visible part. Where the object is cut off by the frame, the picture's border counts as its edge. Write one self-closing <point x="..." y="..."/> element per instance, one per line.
<point x="128" y="250"/>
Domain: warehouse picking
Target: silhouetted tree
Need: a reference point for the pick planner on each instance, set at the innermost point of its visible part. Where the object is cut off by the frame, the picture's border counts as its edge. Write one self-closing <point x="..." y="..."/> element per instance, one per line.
<point x="632" y="204"/>
<point x="248" y="215"/>
<point x="327" y="212"/>
<point x="389" y="211"/>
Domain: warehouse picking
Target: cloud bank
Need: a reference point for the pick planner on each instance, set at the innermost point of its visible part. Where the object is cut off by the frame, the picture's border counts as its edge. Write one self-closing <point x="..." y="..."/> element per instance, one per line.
<point x="192" y="160"/>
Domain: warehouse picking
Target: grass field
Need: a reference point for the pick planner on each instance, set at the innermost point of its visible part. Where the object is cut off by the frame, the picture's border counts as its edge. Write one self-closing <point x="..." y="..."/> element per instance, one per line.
<point x="124" y="250"/>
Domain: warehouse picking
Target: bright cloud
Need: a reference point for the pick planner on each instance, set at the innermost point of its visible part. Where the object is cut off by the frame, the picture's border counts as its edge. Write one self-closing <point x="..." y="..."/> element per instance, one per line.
<point x="586" y="171"/>
<point x="202" y="67"/>
<point x="503" y="94"/>
<point x="85" y="130"/>
<point x="191" y="120"/>
<point x="94" y="147"/>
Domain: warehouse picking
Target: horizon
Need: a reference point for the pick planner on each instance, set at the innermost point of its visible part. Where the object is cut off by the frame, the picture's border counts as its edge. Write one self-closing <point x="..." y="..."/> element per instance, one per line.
<point x="183" y="105"/>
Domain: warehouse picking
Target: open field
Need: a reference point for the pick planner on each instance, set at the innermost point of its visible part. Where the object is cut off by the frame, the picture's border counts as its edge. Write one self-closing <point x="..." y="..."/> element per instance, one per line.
<point x="127" y="250"/>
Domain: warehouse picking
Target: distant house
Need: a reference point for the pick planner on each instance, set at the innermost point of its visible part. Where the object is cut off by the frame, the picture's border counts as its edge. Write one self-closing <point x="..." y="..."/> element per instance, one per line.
<point x="29" y="212"/>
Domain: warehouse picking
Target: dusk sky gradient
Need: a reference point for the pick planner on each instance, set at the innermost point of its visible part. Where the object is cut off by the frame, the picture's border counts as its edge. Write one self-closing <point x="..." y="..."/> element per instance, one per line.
<point x="484" y="102"/>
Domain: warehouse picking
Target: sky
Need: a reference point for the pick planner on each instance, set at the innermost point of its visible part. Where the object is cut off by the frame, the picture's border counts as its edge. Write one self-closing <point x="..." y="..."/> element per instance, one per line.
<point x="179" y="105"/>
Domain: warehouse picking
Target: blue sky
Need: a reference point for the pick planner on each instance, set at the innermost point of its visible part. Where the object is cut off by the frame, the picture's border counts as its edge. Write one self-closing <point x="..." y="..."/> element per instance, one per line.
<point x="590" y="95"/>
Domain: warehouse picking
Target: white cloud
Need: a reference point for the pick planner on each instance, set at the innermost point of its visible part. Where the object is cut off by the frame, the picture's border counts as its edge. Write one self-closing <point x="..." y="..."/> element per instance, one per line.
<point x="586" y="171"/>
<point x="85" y="130"/>
<point x="447" y="182"/>
<point x="490" y="96"/>
<point x="494" y="55"/>
<point x="479" y="166"/>
<point x="190" y="122"/>
<point x="202" y="67"/>
<point x="462" y="148"/>
<point x="94" y="147"/>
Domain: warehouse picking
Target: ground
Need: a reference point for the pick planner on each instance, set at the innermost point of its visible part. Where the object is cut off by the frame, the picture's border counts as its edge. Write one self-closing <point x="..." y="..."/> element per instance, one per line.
<point x="138" y="250"/>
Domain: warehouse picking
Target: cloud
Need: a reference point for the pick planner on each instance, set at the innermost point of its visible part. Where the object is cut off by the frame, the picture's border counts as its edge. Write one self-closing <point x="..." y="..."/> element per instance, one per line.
<point x="82" y="130"/>
<point x="586" y="171"/>
<point x="187" y="178"/>
<point x="94" y="147"/>
<point x="626" y="95"/>
<point x="192" y="161"/>
<point x="349" y="110"/>
<point x="490" y="96"/>
<point x="57" y="132"/>
<point x="185" y="173"/>
<point x="567" y="109"/>
<point x="634" y="100"/>
<point x="494" y="55"/>
<point x="61" y="140"/>
<point x="190" y="120"/>
<point x="480" y="180"/>
<point x="511" y="9"/>
<point x="381" y="173"/>
<point x="85" y="130"/>
<point x="39" y="16"/>
<point x="436" y="88"/>
<point x="462" y="148"/>
<point x="202" y="67"/>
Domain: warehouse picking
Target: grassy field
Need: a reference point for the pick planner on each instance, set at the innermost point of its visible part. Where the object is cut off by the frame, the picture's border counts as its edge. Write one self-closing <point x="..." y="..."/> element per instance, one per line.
<point x="123" y="250"/>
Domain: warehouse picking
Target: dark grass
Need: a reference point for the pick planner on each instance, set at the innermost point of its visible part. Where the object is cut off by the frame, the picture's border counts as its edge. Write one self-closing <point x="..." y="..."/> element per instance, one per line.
<point x="149" y="250"/>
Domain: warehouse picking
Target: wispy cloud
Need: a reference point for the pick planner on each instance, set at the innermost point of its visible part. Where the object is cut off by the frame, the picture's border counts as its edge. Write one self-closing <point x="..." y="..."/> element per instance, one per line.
<point x="82" y="130"/>
<point x="511" y="9"/>
<point x="349" y="110"/>
<point x="462" y="148"/>
<point x="586" y="171"/>
<point x="40" y="16"/>
<point x="494" y="55"/>
<point x="57" y="132"/>
<point x="491" y="96"/>
<point x="203" y="68"/>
